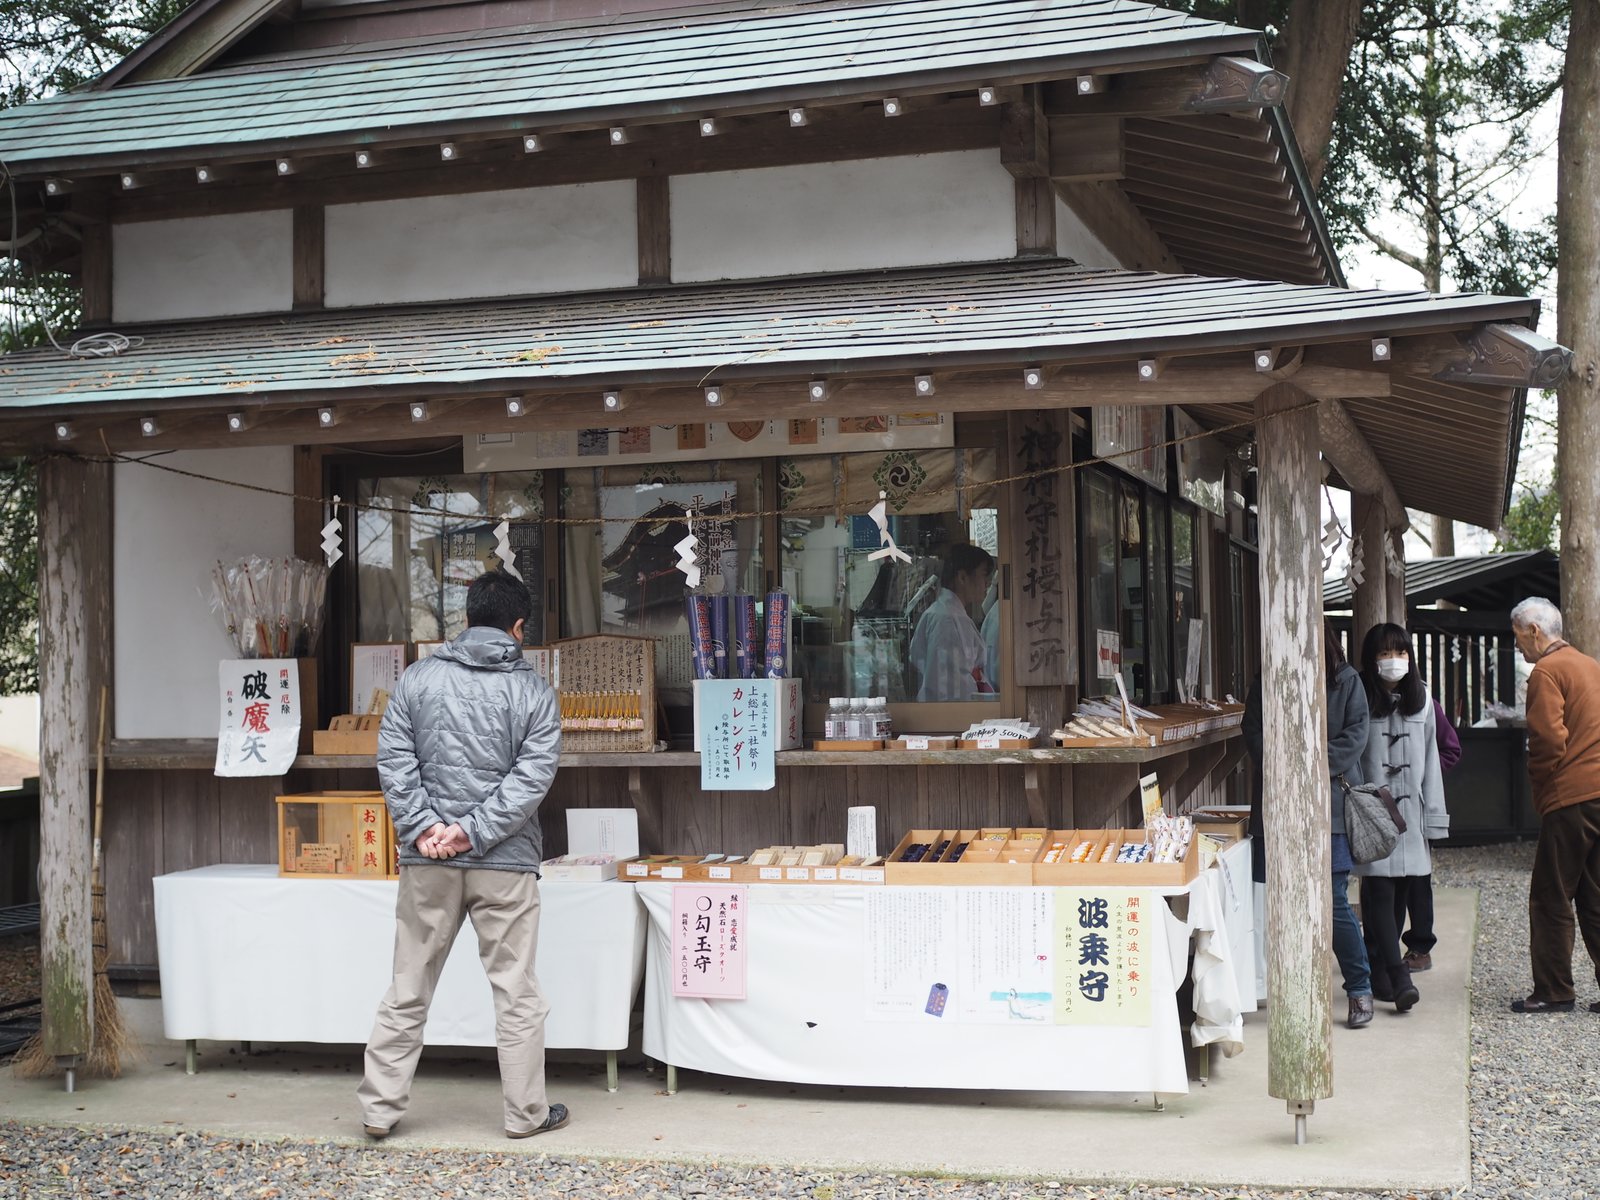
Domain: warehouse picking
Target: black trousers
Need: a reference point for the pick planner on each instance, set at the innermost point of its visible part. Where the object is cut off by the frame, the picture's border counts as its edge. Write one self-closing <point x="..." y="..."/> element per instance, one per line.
<point x="1379" y="925"/>
<point x="1413" y="897"/>
<point x="1566" y="873"/>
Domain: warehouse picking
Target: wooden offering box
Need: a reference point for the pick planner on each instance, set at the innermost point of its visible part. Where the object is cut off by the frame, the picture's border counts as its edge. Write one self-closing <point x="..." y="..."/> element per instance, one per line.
<point x="335" y="835"/>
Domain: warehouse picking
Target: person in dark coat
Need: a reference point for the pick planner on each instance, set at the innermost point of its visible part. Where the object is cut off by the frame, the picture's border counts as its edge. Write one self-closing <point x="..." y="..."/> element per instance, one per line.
<point x="1348" y="724"/>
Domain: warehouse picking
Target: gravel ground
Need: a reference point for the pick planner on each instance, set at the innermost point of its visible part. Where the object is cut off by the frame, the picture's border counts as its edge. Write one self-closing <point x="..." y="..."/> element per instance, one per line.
<point x="1535" y="1090"/>
<point x="19" y="969"/>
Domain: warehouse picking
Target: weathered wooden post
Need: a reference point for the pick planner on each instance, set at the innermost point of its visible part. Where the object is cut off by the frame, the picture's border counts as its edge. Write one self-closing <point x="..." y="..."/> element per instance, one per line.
<point x="1295" y="755"/>
<point x="1397" y="579"/>
<point x="1371" y="606"/>
<point x="74" y="645"/>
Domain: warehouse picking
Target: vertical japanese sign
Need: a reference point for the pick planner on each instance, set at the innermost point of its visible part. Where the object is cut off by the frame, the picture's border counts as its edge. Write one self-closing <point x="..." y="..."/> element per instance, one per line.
<point x="259" y="730"/>
<point x="1043" y="651"/>
<point x="737" y="742"/>
<point x="708" y="941"/>
<point x="1103" y="952"/>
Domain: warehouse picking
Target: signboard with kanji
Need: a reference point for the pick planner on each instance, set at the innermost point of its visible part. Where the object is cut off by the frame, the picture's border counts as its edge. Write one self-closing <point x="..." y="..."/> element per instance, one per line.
<point x="259" y="733"/>
<point x="1103" y="955"/>
<point x="708" y="941"/>
<point x="738" y="735"/>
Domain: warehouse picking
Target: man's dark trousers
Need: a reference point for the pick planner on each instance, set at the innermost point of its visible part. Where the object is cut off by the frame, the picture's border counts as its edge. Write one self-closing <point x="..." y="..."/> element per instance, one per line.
<point x="1566" y="873"/>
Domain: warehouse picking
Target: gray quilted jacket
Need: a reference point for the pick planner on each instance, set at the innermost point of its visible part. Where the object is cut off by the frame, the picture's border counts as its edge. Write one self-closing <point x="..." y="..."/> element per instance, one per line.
<point x="471" y="735"/>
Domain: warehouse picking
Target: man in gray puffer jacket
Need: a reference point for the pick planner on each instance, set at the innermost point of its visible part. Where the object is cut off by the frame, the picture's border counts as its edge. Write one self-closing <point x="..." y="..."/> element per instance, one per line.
<point x="466" y="752"/>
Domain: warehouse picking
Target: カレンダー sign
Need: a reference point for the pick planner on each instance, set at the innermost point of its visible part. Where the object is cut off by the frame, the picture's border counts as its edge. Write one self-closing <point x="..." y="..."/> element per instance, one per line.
<point x="738" y="741"/>
<point x="708" y="941"/>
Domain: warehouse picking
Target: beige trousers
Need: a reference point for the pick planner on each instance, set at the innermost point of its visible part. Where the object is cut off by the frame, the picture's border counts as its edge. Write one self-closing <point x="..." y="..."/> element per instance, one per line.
<point x="504" y="908"/>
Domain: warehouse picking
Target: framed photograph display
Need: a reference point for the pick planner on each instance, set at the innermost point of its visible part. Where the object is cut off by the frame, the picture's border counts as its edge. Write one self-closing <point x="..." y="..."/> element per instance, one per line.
<point x="1130" y="436"/>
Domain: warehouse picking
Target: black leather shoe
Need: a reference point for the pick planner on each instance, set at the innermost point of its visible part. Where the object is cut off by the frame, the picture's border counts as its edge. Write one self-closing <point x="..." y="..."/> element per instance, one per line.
<point x="1360" y="1011"/>
<point x="1382" y="985"/>
<point x="1534" y="1005"/>
<point x="1405" y="992"/>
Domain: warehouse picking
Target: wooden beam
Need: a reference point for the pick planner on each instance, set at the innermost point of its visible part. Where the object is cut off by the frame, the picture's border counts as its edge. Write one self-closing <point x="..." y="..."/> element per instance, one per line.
<point x="1347" y="448"/>
<point x="1295" y="752"/>
<point x="1118" y="225"/>
<point x="1036" y="218"/>
<point x="74" y="640"/>
<point x="1085" y="149"/>
<point x="1224" y="85"/>
<point x="1395" y="591"/>
<point x="655" y="229"/>
<point x="310" y="239"/>
<point x="1025" y="135"/>
<point x="94" y="273"/>
<point x="308" y="518"/>
<point x="1506" y="356"/>
<point x="1371" y="600"/>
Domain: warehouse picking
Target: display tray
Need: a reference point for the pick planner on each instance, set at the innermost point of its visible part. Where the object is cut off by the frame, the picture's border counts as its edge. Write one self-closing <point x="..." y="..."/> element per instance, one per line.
<point x="918" y="741"/>
<point x="559" y="872"/>
<point x="863" y="746"/>
<point x="1089" y="743"/>
<point x="994" y="744"/>
<point x="992" y="857"/>
<point x="1145" y="874"/>
<point x="691" y="869"/>
<point x="1229" y="825"/>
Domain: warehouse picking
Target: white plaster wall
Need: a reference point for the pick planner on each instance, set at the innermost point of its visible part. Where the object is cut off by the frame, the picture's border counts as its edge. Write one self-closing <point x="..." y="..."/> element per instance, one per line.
<point x="1074" y="241"/>
<point x="553" y="239"/>
<point x="203" y="266"/>
<point x="882" y="212"/>
<point x="168" y="531"/>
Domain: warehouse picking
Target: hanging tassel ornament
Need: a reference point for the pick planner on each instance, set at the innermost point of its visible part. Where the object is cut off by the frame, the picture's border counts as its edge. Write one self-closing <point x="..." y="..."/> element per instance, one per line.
<point x="503" y="550"/>
<point x="688" y="558"/>
<point x="1356" y="572"/>
<point x="880" y="517"/>
<point x="330" y="537"/>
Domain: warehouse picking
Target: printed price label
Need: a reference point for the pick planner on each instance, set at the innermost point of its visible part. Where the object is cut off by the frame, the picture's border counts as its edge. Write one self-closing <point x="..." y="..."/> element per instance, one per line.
<point x="638" y="870"/>
<point x="989" y="743"/>
<point x="826" y="874"/>
<point x="672" y="872"/>
<point x="915" y="743"/>
<point x="800" y="873"/>
<point x="722" y="872"/>
<point x="772" y="872"/>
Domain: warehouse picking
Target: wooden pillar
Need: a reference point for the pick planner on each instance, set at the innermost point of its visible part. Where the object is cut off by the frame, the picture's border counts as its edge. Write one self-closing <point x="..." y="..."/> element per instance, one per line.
<point x="74" y="649"/>
<point x="1396" y="589"/>
<point x="1372" y="596"/>
<point x="310" y="256"/>
<point x="1295" y="753"/>
<point x="654" y="200"/>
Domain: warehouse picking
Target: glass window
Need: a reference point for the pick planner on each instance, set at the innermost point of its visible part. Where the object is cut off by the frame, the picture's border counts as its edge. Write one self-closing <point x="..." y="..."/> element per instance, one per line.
<point x="1131" y="586"/>
<point x="420" y="540"/>
<point x="1097" y="556"/>
<point x="1158" y="588"/>
<point x="621" y="571"/>
<point x="1188" y="629"/>
<point x="927" y="630"/>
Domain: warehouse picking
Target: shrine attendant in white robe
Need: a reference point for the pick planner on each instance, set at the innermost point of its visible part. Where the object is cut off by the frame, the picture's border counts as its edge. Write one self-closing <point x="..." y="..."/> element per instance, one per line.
<point x="946" y="649"/>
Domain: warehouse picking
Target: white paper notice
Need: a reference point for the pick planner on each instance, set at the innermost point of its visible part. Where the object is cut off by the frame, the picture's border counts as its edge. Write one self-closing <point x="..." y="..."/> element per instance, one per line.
<point x="1007" y="935"/>
<point x="1191" y="667"/>
<point x="912" y="956"/>
<point x="861" y="832"/>
<point x="374" y="667"/>
<point x="259" y="728"/>
<point x="612" y="831"/>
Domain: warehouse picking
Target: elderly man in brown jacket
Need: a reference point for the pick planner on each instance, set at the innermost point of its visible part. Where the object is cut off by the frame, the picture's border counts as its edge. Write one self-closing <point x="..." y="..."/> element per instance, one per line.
<point x="1564" y="768"/>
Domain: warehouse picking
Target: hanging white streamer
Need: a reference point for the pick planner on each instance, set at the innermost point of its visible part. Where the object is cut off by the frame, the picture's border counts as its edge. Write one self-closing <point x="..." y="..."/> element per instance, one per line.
<point x="1356" y="572"/>
<point x="688" y="559"/>
<point x="1391" y="559"/>
<point x="503" y="550"/>
<point x="330" y="537"/>
<point x="880" y="517"/>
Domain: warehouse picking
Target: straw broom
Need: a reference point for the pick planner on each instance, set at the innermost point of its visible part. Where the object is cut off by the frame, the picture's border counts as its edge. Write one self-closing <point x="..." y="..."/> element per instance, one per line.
<point x="109" y="1041"/>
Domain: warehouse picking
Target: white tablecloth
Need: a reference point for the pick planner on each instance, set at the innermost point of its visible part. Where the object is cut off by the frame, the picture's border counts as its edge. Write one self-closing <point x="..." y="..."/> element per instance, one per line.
<point x="1222" y="924"/>
<point x="805" y="1020"/>
<point x="247" y="956"/>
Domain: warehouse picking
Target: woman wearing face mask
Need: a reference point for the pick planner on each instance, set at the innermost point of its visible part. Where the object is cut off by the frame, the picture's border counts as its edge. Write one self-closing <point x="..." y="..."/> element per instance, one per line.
<point x="1403" y="753"/>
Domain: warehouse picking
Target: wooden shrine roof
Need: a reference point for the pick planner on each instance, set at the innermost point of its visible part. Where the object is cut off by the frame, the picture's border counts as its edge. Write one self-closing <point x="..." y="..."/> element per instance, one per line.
<point x="529" y="78"/>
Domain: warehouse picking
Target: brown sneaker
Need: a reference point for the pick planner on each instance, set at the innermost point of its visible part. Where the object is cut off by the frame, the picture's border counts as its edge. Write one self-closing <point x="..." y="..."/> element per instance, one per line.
<point x="1418" y="962"/>
<point x="376" y="1132"/>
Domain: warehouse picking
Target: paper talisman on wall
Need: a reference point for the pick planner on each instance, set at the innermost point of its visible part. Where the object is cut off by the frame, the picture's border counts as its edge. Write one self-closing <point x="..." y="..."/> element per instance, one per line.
<point x="259" y="729"/>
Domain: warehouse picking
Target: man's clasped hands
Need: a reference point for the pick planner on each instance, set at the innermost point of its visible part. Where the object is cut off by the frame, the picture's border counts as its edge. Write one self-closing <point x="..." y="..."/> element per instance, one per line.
<point x="443" y="841"/>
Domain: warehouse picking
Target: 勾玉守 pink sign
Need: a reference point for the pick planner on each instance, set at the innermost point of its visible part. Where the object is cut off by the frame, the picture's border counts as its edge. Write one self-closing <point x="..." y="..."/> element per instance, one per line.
<point x="708" y="934"/>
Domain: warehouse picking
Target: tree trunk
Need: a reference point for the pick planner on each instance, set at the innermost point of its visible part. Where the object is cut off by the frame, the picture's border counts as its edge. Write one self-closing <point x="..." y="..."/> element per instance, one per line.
<point x="74" y="642"/>
<point x="1444" y="537"/>
<point x="1578" y="320"/>
<point x="1294" y="751"/>
<point x="1318" y="38"/>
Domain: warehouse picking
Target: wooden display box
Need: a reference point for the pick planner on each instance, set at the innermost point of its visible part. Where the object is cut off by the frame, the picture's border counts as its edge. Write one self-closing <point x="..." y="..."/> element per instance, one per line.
<point x="335" y="835"/>
<point x="349" y="734"/>
<point x="1143" y="742"/>
<point x="1003" y="857"/>
<point x="994" y="743"/>
<point x="554" y="871"/>
<point x="607" y="694"/>
<point x="922" y="741"/>
<point x="1145" y="874"/>
<point x="1222" y="823"/>
<point x="863" y="746"/>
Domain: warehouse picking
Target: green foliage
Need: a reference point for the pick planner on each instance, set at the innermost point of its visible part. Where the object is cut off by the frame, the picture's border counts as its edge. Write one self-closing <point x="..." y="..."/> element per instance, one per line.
<point x="19" y="578"/>
<point x="1534" y="520"/>
<point x="49" y="46"/>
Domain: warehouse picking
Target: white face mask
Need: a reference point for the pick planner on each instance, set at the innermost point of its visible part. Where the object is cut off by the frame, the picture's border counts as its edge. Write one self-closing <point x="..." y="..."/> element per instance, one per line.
<point x="1393" y="670"/>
